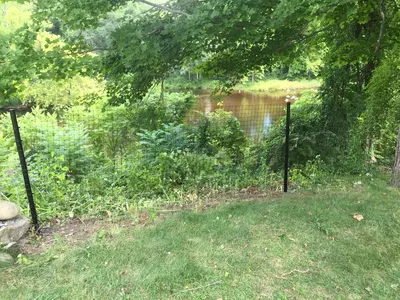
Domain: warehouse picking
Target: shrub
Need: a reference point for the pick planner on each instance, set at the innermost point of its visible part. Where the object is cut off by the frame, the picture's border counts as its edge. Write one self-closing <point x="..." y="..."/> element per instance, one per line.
<point x="218" y="132"/>
<point x="169" y="138"/>
<point x="308" y="138"/>
<point x="154" y="110"/>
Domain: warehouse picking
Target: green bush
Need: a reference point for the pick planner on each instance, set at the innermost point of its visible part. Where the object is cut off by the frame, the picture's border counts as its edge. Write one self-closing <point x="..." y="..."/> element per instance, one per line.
<point x="168" y="139"/>
<point x="50" y="184"/>
<point x="155" y="110"/>
<point x="381" y="119"/>
<point x="219" y="132"/>
<point x="308" y="139"/>
<point x="70" y="142"/>
<point x="167" y="152"/>
<point x="45" y="135"/>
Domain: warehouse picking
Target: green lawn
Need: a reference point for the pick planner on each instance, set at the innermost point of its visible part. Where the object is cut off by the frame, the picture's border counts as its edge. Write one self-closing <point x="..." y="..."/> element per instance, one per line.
<point x="278" y="85"/>
<point x="301" y="246"/>
<point x="267" y="85"/>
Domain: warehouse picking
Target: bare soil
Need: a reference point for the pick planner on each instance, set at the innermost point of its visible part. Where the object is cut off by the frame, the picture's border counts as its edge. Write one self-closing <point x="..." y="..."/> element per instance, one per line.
<point x="79" y="230"/>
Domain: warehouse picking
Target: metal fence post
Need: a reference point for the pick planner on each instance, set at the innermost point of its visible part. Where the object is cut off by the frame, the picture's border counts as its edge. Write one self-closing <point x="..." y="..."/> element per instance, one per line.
<point x="287" y="133"/>
<point x="24" y="168"/>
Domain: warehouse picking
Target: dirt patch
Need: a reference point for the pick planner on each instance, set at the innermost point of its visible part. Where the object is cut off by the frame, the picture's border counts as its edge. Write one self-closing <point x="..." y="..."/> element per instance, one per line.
<point x="73" y="231"/>
<point x="77" y="231"/>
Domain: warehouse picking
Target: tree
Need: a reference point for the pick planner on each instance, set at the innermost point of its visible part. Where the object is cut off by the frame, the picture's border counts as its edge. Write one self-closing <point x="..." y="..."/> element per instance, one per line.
<point x="381" y="119"/>
<point x="237" y="37"/>
<point x="29" y="53"/>
<point x="36" y="45"/>
<point x="396" y="169"/>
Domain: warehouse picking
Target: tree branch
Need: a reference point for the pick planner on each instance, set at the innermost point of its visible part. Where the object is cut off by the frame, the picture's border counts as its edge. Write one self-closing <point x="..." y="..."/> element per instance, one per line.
<point x="315" y="33"/>
<point x="383" y="16"/>
<point x="298" y="33"/>
<point x="290" y="41"/>
<point x="174" y="11"/>
<point x="89" y="50"/>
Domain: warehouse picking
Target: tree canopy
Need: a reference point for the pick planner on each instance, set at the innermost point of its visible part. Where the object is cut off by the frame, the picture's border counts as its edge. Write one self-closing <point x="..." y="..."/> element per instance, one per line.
<point x="139" y="45"/>
<point x="136" y="44"/>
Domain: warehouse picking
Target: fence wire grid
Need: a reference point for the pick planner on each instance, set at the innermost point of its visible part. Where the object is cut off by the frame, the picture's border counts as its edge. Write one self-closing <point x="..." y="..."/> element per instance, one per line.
<point x="78" y="145"/>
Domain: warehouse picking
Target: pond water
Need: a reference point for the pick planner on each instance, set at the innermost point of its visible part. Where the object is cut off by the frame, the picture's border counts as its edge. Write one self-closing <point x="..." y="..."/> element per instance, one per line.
<point x="256" y="111"/>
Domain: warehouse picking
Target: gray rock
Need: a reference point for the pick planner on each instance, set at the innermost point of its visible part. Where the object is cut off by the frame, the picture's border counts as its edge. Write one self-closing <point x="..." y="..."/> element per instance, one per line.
<point x="6" y="260"/>
<point x="8" y="210"/>
<point x="13" y="230"/>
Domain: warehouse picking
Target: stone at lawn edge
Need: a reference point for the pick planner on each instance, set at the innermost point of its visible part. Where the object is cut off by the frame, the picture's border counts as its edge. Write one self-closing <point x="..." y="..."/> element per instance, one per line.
<point x="6" y="260"/>
<point x="13" y="230"/>
<point x="8" y="210"/>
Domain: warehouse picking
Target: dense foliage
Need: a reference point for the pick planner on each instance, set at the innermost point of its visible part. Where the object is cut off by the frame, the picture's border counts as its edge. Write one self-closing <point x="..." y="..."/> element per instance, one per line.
<point x="90" y="160"/>
<point x="90" y="70"/>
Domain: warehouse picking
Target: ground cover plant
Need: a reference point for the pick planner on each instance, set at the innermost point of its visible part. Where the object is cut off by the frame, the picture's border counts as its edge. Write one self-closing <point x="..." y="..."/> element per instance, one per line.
<point x="338" y="243"/>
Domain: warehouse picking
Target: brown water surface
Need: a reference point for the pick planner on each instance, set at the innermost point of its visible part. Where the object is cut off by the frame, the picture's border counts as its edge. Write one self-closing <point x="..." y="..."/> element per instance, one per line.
<point x="256" y="111"/>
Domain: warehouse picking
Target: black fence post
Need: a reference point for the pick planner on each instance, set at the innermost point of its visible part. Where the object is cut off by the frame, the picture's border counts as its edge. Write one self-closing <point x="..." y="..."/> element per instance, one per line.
<point x="287" y="133"/>
<point x="24" y="168"/>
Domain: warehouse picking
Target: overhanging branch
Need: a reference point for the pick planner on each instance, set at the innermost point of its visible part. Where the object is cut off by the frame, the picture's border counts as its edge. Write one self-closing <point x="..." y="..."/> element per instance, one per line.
<point x="293" y="39"/>
<point x="174" y="11"/>
<point x="383" y="16"/>
<point x="89" y="51"/>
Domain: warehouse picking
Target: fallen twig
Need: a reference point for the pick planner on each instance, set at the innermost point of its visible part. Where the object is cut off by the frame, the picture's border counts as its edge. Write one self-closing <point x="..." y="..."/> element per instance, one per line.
<point x="282" y="276"/>
<point x="81" y="221"/>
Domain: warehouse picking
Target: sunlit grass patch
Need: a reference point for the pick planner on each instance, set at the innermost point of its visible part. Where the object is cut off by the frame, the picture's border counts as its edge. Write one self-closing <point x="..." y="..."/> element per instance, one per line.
<point x="279" y="85"/>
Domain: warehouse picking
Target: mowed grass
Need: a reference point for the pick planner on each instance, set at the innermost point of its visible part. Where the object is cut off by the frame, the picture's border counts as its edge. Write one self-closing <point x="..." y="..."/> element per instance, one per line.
<point x="301" y="246"/>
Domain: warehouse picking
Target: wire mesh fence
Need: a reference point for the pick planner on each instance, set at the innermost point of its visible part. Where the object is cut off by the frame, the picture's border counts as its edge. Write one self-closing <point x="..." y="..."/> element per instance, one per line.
<point x="79" y="136"/>
<point x="255" y="120"/>
<point x="83" y="154"/>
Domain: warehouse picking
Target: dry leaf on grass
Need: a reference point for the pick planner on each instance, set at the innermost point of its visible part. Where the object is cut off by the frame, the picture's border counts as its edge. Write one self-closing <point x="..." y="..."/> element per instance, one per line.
<point x="358" y="217"/>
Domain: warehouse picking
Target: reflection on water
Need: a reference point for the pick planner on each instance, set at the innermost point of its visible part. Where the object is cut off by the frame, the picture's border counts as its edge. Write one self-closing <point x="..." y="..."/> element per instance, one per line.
<point x="256" y="111"/>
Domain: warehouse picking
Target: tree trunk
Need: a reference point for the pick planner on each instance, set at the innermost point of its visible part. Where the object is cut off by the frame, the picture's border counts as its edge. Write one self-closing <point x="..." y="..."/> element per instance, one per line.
<point x="253" y="77"/>
<point x="395" y="182"/>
